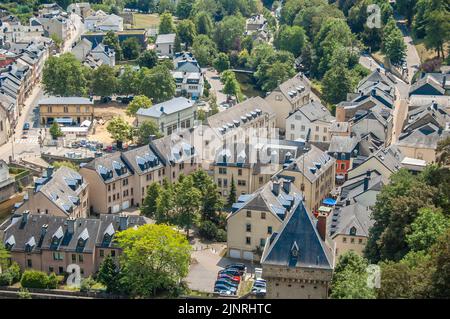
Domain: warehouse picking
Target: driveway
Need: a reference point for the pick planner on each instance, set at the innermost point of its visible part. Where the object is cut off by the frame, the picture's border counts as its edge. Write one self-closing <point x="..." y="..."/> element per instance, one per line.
<point x="206" y="264"/>
<point x="213" y="78"/>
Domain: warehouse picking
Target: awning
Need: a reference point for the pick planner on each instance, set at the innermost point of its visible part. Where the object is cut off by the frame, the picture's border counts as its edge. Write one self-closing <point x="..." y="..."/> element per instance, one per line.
<point x="329" y="201"/>
<point x="64" y="120"/>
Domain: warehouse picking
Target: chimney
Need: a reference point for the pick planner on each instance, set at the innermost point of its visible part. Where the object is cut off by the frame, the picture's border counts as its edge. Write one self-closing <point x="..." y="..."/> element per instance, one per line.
<point x="161" y="109"/>
<point x="435" y="105"/>
<point x="366" y="181"/>
<point x="123" y="222"/>
<point x="276" y="188"/>
<point x="44" y="230"/>
<point x="373" y="92"/>
<point x="71" y="225"/>
<point x="322" y="225"/>
<point x="444" y="79"/>
<point x="25" y="216"/>
<point x="340" y="114"/>
<point x="50" y="171"/>
<point x="287" y="186"/>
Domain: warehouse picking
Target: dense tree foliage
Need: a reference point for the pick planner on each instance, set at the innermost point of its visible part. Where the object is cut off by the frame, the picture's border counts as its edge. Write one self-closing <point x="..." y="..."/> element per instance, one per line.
<point x="104" y="81"/>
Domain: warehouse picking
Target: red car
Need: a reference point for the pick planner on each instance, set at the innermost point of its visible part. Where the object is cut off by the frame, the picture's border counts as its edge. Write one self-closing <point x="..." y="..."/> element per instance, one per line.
<point x="233" y="278"/>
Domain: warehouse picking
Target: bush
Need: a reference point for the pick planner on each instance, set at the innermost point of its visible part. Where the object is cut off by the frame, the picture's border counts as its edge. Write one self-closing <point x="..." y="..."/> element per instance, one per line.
<point x="87" y="284"/>
<point x="24" y="294"/>
<point x="6" y="279"/>
<point x="14" y="270"/>
<point x="221" y="235"/>
<point x="52" y="281"/>
<point x="34" y="279"/>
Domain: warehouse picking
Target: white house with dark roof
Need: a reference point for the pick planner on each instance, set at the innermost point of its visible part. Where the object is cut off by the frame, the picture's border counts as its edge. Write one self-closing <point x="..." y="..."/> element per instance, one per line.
<point x="170" y="116"/>
<point x="310" y="122"/>
<point x="288" y="96"/>
<point x="165" y="44"/>
<point x="99" y="21"/>
<point x="188" y="76"/>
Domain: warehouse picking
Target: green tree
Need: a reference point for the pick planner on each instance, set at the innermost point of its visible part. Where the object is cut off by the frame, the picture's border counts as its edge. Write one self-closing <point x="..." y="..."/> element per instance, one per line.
<point x="128" y="81"/>
<point x="64" y="76"/>
<point x="231" y="86"/>
<point x="104" y="81"/>
<point x="165" y="205"/>
<point x="187" y="202"/>
<point x="350" y="278"/>
<point x="155" y="258"/>
<point x="443" y="152"/>
<point x="438" y="30"/>
<point x="204" y="50"/>
<point x="149" y="207"/>
<point x="131" y="48"/>
<point x="429" y="225"/>
<point x="145" y="130"/>
<point x="55" y="131"/>
<point x="229" y="32"/>
<point x="204" y="24"/>
<point x="157" y="83"/>
<point x="112" y="40"/>
<point x="396" y="208"/>
<point x="441" y="258"/>
<point x="119" y="130"/>
<point x="221" y="62"/>
<point x="211" y="199"/>
<point x="184" y="8"/>
<point x="4" y="257"/>
<point x="109" y="275"/>
<point x="148" y="59"/>
<point x="336" y="83"/>
<point x="232" y="197"/>
<point x="186" y="32"/>
<point x="57" y="41"/>
<point x="393" y="45"/>
<point x="166" y="25"/>
<point x="139" y="101"/>
<point x="291" y="39"/>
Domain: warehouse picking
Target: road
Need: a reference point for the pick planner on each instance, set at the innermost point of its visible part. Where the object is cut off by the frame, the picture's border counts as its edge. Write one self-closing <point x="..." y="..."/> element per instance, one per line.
<point x="29" y="113"/>
<point x="213" y="78"/>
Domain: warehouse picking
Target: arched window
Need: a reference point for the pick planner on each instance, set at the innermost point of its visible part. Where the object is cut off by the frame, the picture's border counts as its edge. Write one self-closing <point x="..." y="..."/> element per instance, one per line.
<point x="353" y="231"/>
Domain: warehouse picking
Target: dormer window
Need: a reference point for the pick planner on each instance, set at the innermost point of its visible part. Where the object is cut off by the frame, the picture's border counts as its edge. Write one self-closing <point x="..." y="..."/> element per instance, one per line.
<point x="353" y="231"/>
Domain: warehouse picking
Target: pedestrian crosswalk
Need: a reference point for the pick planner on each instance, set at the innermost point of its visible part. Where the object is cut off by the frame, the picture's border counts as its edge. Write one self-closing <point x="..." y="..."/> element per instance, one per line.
<point x="28" y="140"/>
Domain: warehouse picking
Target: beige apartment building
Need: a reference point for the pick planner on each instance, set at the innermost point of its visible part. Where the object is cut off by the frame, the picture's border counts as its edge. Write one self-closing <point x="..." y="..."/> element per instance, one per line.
<point x="112" y="181"/>
<point x="52" y="243"/>
<point x="76" y="109"/>
<point x="298" y="261"/>
<point x="314" y="174"/>
<point x="252" y="165"/>
<point x="257" y="216"/>
<point x="289" y="96"/>
<point x="238" y="124"/>
<point x="62" y="193"/>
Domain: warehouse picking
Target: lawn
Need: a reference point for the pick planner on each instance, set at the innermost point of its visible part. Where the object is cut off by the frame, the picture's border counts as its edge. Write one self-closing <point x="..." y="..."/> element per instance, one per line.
<point x="424" y="53"/>
<point x="145" y="21"/>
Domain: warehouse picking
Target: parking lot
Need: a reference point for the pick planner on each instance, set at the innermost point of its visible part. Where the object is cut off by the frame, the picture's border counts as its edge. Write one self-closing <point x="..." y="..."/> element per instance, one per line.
<point x="207" y="263"/>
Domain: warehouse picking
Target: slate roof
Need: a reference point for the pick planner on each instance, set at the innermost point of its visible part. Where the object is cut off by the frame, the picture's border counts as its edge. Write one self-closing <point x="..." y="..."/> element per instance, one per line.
<point x="298" y="232"/>
<point x="174" y="148"/>
<point x="265" y="199"/>
<point x="345" y="218"/>
<point x="427" y="80"/>
<point x="299" y="85"/>
<point x="142" y="160"/>
<point x="41" y="230"/>
<point x="355" y="186"/>
<point x="308" y="163"/>
<point x="343" y="144"/>
<point x="426" y="136"/>
<point x="107" y="167"/>
<point x="174" y="105"/>
<point x="165" y="38"/>
<point x="315" y="111"/>
<point x="240" y="114"/>
<point x="54" y="100"/>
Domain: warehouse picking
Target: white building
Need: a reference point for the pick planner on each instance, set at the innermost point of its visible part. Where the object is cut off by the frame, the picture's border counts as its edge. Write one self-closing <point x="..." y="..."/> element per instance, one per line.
<point x="165" y="44"/>
<point x="188" y="76"/>
<point x="310" y="122"/>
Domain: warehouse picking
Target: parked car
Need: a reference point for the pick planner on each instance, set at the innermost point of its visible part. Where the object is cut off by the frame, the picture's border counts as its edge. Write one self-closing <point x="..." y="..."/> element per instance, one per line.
<point x="222" y="291"/>
<point x="227" y="282"/>
<point x="259" y="284"/>
<point x="232" y="272"/>
<point x="26" y="126"/>
<point x="240" y="271"/>
<point x="259" y="291"/>
<point x="222" y="287"/>
<point x="239" y="266"/>
<point x="234" y="278"/>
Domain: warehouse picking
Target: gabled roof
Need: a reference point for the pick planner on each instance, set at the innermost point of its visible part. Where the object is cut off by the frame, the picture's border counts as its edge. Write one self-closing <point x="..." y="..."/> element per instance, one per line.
<point x="354" y="216"/>
<point x="314" y="111"/>
<point x="171" y="106"/>
<point x="171" y="149"/>
<point x="294" y="87"/>
<point x="297" y="231"/>
<point x="343" y="144"/>
<point x="142" y="160"/>
<point x="429" y="81"/>
<point x="165" y="38"/>
<point x="54" y="100"/>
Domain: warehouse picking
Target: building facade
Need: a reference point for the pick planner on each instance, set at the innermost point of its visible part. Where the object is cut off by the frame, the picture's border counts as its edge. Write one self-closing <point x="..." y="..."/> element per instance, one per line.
<point x="77" y="109"/>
